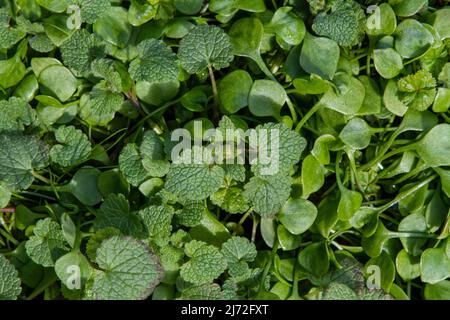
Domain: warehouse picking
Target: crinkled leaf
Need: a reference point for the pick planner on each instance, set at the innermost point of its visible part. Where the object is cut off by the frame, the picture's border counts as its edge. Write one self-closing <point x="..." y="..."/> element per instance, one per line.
<point x="205" y="46"/>
<point x="47" y="244"/>
<point x="206" y="263"/>
<point x="129" y="270"/>
<point x="345" y="24"/>
<point x="115" y="213"/>
<point x="74" y="147"/>
<point x="155" y="63"/>
<point x="268" y="194"/>
<point x="80" y="50"/>
<point x="19" y="157"/>
<point x="9" y="280"/>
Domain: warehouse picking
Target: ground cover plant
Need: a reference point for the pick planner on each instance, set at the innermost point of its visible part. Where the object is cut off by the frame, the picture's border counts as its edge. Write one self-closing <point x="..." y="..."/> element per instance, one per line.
<point x="94" y="206"/>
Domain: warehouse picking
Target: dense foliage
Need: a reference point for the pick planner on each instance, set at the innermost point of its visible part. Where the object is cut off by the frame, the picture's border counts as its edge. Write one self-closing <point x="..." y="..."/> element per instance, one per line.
<point x="94" y="207"/>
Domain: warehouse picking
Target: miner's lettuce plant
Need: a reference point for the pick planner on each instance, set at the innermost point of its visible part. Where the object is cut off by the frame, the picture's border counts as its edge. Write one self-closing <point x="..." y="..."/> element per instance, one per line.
<point x="94" y="206"/>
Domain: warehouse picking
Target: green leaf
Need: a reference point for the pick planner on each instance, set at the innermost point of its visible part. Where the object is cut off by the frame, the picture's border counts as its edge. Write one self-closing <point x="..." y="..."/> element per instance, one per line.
<point x="319" y="56"/>
<point x="58" y="81"/>
<point x="47" y="244"/>
<point x="313" y="175"/>
<point x="349" y="98"/>
<point x="12" y="72"/>
<point x="266" y="98"/>
<point x="191" y="214"/>
<point x="297" y="215"/>
<point x="115" y="213"/>
<point x="345" y="24"/>
<point x="206" y="263"/>
<point x="238" y="249"/>
<point x="140" y="12"/>
<point x="207" y="179"/>
<point x="105" y="69"/>
<point x="412" y="39"/>
<point x="9" y="36"/>
<point x="414" y="222"/>
<point x="80" y="50"/>
<point x="205" y="46"/>
<point x="84" y="186"/>
<point x="96" y="240"/>
<point x="268" y="194"/>
<point x="153" y="156"/>
<point x="157" y="222"/>
<point x="246" y="38"/>
<point x="157" y="93"/>
<point x="19" y="157"/>
<point x="155" y="63"/>
<point x="230" y="199"/>
<point x="356" y="134"/>
<point x="74" y="147"/>
<point x="92" y="10"/>
<point x="408" y="267"/>
<point x="126" y="264"/>
<point x="434" y="148"/>
<point x="408" y="8"/>
<point x="387" y="270"/>
<point x="54" y="5"/>
<point x="288" y="27"/>
<point x="434" y="265"/>
<point x="339" y="291"/>
<point x="99" y="106"/>
<point x="278" y="147"/>
<point x="388" y="62"/>
<point x="203" y="292"/>
<point x="188" y="7"/>
<point x="418" y="90"/>
<point x="41" y="43"/>
<point x="65" y="269"/>
<point x="16" y="114"/>
<point x="314" y="258"/>
<point x="234" y="90"/>
<point x="349" y="203"/>
<point x="113" y="26"/>
<point x="320" y="150"/>
<point x="9" y="280"/>
<point x="382" y="22"/>
<point x="438" y="291"/>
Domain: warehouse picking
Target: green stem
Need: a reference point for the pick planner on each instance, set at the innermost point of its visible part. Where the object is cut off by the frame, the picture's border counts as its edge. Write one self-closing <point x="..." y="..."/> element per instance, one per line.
<point x="245" y="216"/>
<point x="215" y="93"/>
<point x="383" y="157"/>
<point x="269" y="265"/>
<point x="308" y="115"/>
<point x="352" y="249"/>
<point x="400" y="234"/>
<point x="41" y="288"/>
<point x="151" y="114"/>
<point x="406" y="193"/>
<point x="381" y="153"/>
<point x="294" y="292"/>
<point x="292" y="110"/>
<point x="262" y="65"/>
<point x="412" y="173"/>
<point x="9" y="237"/>
<point x="41" y="178"/>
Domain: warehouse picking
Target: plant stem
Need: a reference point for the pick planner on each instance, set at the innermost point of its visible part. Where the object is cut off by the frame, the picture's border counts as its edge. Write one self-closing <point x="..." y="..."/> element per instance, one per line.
<point x="9" y="237"/>
<point x="245" y="216"/>
<point x="41" y="178"/>
<point x="268" y="265"/>
<point x="308" y="115"/>
<point x="292" y="110"/>
<point x="407" y="193"/>
<point x="215" y="93"/>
